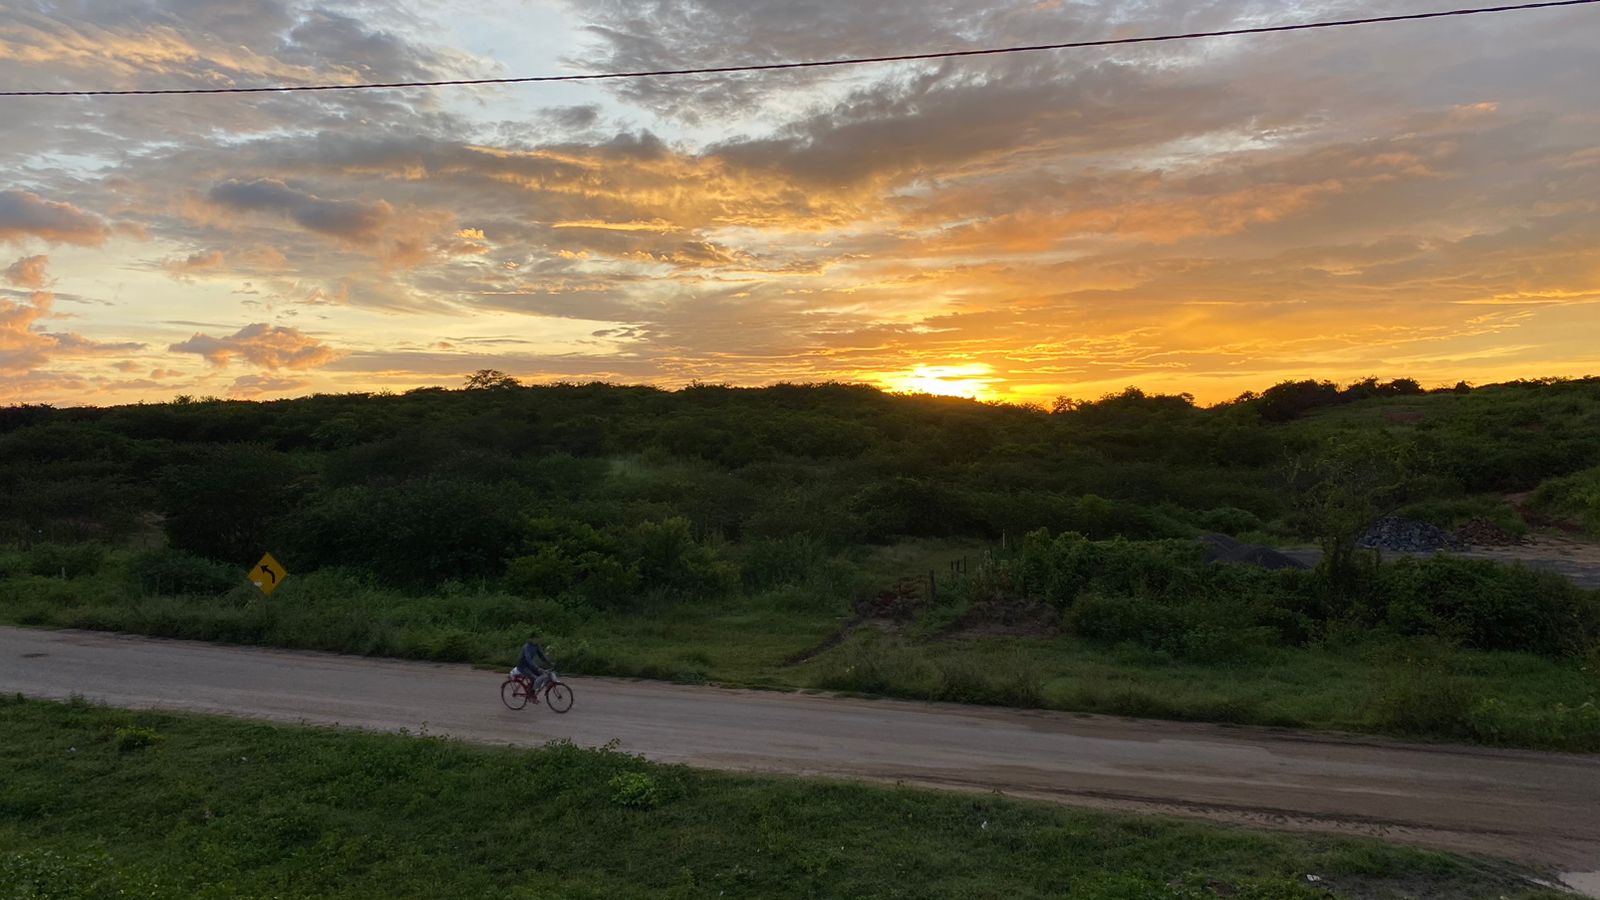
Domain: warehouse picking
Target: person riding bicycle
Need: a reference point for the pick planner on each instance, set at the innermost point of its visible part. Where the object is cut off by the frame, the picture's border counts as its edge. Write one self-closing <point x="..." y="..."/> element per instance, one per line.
<point x="534" y="666"/>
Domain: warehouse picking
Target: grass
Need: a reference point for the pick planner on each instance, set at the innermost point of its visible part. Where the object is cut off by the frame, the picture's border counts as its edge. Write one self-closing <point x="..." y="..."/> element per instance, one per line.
<point x="204" y="807"/>
<point x="1409" y="688"/>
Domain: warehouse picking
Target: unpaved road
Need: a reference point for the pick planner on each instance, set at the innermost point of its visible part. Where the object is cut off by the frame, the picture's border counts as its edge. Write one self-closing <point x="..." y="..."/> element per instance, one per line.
<point x="1542" y="808"/>
<point x="1577" y="560"/>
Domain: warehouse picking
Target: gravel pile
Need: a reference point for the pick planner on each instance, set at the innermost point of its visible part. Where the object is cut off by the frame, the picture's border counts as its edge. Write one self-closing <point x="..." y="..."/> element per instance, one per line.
<point x="1222" y="548"/>
<point x="1407" y="536"/>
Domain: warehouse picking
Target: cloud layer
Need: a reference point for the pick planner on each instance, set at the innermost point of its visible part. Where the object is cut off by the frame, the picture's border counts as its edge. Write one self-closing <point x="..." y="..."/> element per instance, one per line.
<point x="1207" y="217"/>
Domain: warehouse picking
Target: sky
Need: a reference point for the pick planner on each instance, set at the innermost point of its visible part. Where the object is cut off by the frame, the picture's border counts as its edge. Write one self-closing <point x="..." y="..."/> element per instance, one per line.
<point x="1414" y="200"/>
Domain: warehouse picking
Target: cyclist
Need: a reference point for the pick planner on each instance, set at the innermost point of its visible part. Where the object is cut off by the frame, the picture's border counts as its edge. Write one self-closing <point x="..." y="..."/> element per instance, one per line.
<point x="534" y="666"/>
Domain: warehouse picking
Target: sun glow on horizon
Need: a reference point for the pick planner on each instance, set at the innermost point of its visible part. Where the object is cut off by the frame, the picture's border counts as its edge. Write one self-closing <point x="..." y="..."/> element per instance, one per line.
<point x="973" y="380"/>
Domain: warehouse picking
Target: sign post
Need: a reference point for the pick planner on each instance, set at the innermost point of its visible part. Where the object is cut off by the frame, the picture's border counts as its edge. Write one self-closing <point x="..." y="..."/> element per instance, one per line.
<point x="268" y="574"/>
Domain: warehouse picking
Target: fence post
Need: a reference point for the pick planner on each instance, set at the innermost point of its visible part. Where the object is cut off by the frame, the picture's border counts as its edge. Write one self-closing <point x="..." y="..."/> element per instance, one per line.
<point x="933" y="588"/>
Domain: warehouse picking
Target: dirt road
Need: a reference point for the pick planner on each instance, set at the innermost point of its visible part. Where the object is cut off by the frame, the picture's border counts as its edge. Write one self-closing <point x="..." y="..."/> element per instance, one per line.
<point x="1578" y="560"/>
<point x="1536" y="807"/>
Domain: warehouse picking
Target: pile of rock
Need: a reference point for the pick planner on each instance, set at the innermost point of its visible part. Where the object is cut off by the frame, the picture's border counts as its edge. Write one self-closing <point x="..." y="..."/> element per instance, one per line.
<point x="1222" y="548"/>
<point x="1480" y="532"/>
<point x="1407" y="536"/>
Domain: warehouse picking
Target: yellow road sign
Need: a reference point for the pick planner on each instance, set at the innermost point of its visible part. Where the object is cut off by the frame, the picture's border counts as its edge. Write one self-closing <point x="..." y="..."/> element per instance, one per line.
<point x="268" y="574"/>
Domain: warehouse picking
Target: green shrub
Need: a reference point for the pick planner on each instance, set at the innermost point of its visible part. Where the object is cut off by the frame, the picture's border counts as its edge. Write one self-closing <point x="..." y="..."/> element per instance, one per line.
<point x="1420" y="696"/>
<point x="670" y="561"/>
<point x="419" y="533"/>
<point x="611" y="567"/>
<point x="1164" y="596"/>
<point x="132" y="737"/>
<point x="1058" y="569"/>
<point x="169" y="571"/>
<point x="634" y="790"/>
<point x="1009" y="680"/>
<point x="1575" y="497"/>
<point x="221" y="501"/>
<point x="770" y="562"/>
<point x="1486" y="605"/>
<point x="597" y="578"/>
<point x="873" y="664"/>
<point x="1229" y="520"/>
<point x="50" y="875"/>
<point x="1453" y="513"/>
<point x="70" y="560"/>
<point x="1211" y="632"/>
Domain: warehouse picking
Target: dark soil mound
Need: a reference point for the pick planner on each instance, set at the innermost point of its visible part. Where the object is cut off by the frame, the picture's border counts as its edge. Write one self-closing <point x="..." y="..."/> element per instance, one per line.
<point x="1484" y="533"/>
<point x="1222" y="548"/>
<point x="900" y="602"/>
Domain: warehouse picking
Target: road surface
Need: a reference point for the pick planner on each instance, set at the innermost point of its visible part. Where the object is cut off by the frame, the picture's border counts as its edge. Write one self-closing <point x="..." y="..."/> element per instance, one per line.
<point x="1535" y="807"/>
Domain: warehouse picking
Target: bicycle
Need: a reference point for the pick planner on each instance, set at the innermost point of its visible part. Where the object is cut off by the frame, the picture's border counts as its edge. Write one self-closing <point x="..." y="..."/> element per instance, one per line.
<point x="517" y="690"/>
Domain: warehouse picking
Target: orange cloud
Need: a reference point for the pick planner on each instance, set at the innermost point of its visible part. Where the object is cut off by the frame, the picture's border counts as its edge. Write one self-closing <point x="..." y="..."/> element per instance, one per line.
<point x="258" y="385"/>
<point x="200" y="261"/>
<point x="268" y="346"/>
<point x="28" y="272"/>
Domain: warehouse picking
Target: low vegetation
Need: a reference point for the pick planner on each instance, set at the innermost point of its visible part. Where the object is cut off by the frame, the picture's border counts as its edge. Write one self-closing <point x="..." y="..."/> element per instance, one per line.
<point x="100" y="802"/>
<point x="785" y="537"/>
<point x="1574" y="499"/>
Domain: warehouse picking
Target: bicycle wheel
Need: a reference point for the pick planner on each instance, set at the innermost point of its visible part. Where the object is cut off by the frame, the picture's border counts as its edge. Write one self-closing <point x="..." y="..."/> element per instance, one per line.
<point x="559" y="697"/>
<point x="513" y="694"/>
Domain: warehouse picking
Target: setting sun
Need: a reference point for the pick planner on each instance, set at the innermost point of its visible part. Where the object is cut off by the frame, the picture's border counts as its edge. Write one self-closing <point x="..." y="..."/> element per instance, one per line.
<point x="973" y="380"/>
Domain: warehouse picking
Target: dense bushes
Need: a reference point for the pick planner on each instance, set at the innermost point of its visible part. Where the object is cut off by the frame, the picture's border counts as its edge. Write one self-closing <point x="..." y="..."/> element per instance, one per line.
<point x="434" y="486"/>
<point x="1292" y="399"/>
<point x="612" y="567"/>
<point x="221" y="501"/>
<point x="166" y="571"/>
<point x="1483" y="605"/>
<point x="1574" y="498"/>
<point x="417" y="533"/>
<point x="1165" y="596"/>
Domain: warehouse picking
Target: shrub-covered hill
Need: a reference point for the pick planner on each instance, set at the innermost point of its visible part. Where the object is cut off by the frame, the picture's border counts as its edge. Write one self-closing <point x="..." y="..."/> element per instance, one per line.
<point x="434" y="484"/>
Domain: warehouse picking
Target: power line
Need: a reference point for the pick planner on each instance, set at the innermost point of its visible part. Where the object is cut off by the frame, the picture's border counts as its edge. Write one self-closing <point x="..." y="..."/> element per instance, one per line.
<point x="822" y="63"/>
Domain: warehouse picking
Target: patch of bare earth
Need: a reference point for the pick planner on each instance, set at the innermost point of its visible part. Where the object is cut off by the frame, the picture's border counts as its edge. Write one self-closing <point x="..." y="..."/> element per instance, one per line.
<point x="1005" y="618"/>
<point x="888" y="610"/>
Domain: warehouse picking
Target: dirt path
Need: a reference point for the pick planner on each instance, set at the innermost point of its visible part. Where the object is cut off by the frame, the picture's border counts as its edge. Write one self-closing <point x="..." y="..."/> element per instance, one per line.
<point x="1578" y="560"/>
<point x="1541" y="808"/>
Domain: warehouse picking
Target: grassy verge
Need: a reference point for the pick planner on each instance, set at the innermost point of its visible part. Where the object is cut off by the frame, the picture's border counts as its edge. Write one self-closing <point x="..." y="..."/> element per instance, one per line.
<point x="99" y="802"/>
<point x="789" y="636"/>
<point x="1408" y="688"/>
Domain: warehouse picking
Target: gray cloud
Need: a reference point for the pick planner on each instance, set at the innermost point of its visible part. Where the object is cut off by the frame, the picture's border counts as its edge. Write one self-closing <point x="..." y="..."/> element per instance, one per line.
<point x="24" y="214"/>
<point x="349" y="219"/>
<point x="574" y="118"/>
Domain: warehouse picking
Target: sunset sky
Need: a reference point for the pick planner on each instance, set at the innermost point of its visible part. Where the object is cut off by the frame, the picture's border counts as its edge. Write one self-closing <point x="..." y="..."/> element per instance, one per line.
<point x="1409" y="200"/>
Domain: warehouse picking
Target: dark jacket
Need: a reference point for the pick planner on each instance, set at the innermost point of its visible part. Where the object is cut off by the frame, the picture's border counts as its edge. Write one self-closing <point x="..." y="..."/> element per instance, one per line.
<point x="533" y="661"/>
